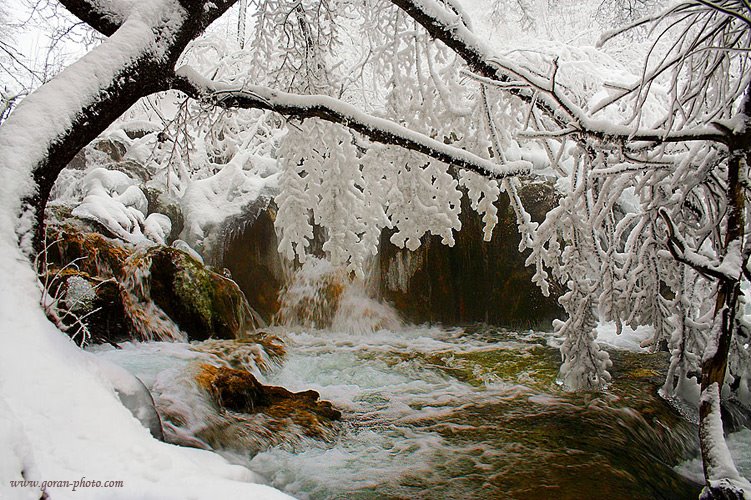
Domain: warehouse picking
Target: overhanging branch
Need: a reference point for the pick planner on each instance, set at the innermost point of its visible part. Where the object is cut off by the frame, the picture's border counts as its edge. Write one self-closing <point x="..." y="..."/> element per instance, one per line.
<point x="681" y="252"/>
<point x="448" y="28"/>
<point x="336" y="111"/>
<point x="106" y="21"/>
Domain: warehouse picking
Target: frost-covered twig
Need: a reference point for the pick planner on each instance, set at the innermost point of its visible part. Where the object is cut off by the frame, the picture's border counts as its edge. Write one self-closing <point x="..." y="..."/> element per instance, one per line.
<point x="336" y="111"/>
<point x="681" y="251"/>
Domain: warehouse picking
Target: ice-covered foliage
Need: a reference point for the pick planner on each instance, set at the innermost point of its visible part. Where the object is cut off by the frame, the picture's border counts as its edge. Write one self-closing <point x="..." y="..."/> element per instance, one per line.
<point x="650" y="160"/>
<point x="208" y="202"/>
<point x="623" y="146"/>
<point x="114" y="200"/>
<point x="79" y="294"/>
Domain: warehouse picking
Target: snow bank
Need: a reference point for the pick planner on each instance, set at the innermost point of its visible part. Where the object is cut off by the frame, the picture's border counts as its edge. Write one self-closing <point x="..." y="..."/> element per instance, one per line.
<point x="60" y="419"/>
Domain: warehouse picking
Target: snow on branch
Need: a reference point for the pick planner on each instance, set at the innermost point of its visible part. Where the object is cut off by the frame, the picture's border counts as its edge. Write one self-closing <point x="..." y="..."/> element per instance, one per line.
<point x="729" y="269"/>
<point x="606" y="36"/>
<point x="532" y="88"/>
<point x="336" y="111"/>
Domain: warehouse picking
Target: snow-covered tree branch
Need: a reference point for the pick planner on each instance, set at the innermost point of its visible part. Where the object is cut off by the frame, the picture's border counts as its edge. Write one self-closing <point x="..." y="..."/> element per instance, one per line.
<point x="652" y="170"/>
<point x="335" y="111"/>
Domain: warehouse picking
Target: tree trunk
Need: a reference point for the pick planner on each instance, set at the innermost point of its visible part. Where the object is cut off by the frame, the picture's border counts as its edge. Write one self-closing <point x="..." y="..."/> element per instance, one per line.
<point x="127" y="86"/>
<point x="722" y="478"/>
<point x="56" y="121"/>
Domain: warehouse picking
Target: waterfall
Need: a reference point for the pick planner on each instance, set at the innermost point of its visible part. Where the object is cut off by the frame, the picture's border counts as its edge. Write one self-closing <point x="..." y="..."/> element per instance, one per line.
<point x="322" y="296"/>
<point x="147" y="318"/>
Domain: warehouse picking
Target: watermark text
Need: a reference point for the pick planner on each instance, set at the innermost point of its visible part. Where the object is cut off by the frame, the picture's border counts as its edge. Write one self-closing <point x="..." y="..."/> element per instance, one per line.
<point x="71" y="485"/>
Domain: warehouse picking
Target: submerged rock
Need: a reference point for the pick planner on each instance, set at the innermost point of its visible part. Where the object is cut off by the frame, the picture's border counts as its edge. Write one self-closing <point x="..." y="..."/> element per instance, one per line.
<point x="239" y="391"/>
<point x="259" y="351"/>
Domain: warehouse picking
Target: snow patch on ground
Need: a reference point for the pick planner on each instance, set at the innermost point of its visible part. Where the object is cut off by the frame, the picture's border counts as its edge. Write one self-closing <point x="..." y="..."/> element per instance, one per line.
<point x="629" y="339"/>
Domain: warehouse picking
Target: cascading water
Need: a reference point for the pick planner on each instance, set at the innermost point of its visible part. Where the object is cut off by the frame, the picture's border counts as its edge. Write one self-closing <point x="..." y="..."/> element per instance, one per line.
<point x="148" y="319"/>
<point x="429" y="412"/>
<point x="322" y="296"/>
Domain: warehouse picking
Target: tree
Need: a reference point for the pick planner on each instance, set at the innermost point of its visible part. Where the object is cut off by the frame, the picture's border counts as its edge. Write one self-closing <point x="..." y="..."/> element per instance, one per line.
<point x="686" y="167"/>
<point x="708" y="105"/>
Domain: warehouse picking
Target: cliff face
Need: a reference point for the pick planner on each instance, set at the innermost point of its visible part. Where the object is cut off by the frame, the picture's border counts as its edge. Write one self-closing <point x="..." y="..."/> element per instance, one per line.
<point x="474" y="281"/>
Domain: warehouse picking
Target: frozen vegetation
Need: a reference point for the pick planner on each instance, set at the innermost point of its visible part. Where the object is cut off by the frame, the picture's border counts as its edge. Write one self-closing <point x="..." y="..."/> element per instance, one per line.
<point x="353" y="120"/>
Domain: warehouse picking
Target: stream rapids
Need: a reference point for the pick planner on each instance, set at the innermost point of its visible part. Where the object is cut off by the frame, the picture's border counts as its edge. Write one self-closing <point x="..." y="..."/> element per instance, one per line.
<point x="450" y="413"/>
<point x="428" y="412"/>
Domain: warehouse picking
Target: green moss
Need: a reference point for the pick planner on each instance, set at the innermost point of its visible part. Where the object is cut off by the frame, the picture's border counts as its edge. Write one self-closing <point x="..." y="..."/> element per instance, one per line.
<point x="535" y="366"/>
<point x="193" y="285"/>
<point x="203" y="303"/>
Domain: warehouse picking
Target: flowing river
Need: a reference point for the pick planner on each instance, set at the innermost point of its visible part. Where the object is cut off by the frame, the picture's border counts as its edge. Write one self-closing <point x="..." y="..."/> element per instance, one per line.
<point x="434" y="413"/>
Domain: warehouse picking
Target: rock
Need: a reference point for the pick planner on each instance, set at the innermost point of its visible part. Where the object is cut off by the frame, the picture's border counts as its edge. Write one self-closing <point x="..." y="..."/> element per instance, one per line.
<point x="252" y="258"/>
<point x="78" y="162"/>
<point x="204" y="304"/>
<point x="473" y="281"/>
<point x="132" y="169"/>
<point x="260" y="351"/>
<point x="240" y="391"/>
<point x="92" y="304"/>
<point x="93" y="253"/>
<point x="158" y="203"/>
<point x="112" y="148"/>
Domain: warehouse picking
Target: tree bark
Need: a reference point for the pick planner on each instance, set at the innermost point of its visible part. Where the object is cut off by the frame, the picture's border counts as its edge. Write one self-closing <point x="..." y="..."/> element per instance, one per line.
<point x="131" y="84"/>
<point x="722" y="479"/>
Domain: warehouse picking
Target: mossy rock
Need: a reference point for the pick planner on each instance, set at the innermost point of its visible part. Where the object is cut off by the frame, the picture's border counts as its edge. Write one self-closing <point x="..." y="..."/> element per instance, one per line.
<point x="92" y="253"/>
<point x="202" y="303"/>
<point x="239" y="391"/>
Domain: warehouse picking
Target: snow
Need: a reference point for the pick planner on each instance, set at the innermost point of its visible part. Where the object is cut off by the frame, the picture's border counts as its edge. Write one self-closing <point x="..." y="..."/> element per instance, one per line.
<point x="60" y="418"/>
<point x="719" y="465"/>
<point x="208" y="202"/>
<point x="79" y="295"/>
<point x="739" y="444"/>
<point x="112" y="199"/>
<point x="629" y="340"/>
<point x="266" y="98"/>
<point x="49" y="112"/>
